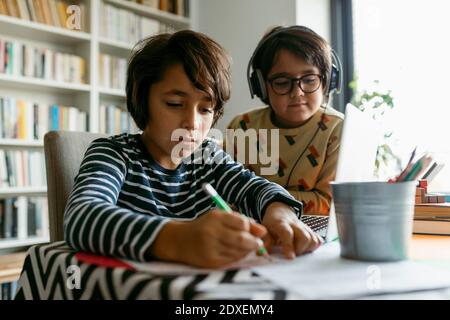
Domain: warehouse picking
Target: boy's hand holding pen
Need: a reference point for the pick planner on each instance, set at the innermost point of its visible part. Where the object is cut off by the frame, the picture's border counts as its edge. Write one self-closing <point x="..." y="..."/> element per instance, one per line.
<point x="221" y="204"/>
<point x="283" y="226"/>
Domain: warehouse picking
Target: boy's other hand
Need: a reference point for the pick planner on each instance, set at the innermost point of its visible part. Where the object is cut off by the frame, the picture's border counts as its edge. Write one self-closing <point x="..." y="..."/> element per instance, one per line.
<point x="285" y="229"/>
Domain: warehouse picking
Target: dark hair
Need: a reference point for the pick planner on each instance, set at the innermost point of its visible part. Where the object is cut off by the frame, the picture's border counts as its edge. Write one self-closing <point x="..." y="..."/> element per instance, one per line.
<point x="205" y="62"/>
<point x="301" y="41"/>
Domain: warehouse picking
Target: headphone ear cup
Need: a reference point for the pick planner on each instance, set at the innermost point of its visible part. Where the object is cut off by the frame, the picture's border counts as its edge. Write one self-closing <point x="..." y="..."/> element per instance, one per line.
<point x="334" y="80"/>
<point x="258" y="84"/>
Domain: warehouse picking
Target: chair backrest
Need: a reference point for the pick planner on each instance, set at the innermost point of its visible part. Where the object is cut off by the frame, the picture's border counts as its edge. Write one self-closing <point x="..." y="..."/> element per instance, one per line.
<point x="64" y="152"/>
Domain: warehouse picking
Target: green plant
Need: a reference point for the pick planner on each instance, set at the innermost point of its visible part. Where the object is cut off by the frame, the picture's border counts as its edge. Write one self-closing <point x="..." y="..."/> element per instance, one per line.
<point x="377" y="101"/>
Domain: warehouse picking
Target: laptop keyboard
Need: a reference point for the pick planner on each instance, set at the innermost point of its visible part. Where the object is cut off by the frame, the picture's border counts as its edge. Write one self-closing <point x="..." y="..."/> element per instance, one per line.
<point x="316" y="223"/>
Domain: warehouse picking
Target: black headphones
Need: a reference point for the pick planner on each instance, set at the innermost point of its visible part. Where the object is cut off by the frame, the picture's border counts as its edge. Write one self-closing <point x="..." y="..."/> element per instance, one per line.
<point x="255" y="78"/>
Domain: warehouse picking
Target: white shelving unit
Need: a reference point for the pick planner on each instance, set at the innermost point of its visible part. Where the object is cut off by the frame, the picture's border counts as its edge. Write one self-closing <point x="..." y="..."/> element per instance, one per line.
<point x="87" y="97"/>
<point x="50" y="86"/>
<point x="20" y="191"/>
<point x="40" y="32"/>
<point x="113" y="93"/>
<point x="21" y="143"/>
<point x="19" y="243"/>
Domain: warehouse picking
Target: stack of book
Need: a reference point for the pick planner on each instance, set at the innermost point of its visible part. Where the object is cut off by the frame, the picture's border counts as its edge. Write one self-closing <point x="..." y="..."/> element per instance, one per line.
<point x="23" y="217"/>
<point x="19" y="59"/>
<point x="26" y="120"/>
<point x="432" y="218"/>
<point x="56" y="13"/>
<point x="113" y="72"/>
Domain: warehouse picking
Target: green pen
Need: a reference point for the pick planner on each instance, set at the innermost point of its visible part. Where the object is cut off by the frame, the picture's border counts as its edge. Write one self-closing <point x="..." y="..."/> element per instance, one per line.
<point x="414" y="171"/>
<point x="262" y="251"/>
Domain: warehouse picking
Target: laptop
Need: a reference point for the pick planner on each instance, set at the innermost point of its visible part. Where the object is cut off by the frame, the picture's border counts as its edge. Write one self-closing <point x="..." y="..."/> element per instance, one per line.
<point x="360" y="138"/>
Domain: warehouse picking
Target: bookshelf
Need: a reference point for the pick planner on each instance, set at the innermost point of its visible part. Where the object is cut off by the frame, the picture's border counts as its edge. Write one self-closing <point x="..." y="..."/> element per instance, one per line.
<point x="87" y="97"/>
<point x="49" y="86"/>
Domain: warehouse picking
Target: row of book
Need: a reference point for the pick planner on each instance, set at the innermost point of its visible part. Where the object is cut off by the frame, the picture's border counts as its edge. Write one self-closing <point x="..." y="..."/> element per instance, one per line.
<point x="114" y="120"/>
<point x="22" y="168"/>
<point x="23" y="217"/>
<point x="20" y="59"/>
<point x="8" y="290"/>
<point x="178" y="7"/>
<point x="125" y="26"/>
<point x="26" y="120"/>
<point x="113" y="71"/>
<point x="51" y="12"/>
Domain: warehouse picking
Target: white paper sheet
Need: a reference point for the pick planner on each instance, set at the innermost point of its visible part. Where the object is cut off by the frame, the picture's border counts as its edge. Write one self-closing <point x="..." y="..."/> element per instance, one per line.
<point x="168" y="268"/>
<point x="325" y="275"/>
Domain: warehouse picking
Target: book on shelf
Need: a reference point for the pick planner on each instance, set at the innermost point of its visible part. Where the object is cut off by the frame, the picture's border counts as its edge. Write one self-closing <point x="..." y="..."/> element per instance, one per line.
<point x="432" y="218"/>
<point x="27" y="120"/>
<point x="432" y="226"/>
<point x="430" y="210"/>
<point x="19" y="59"/>
<point x="22" y="168"/>
<point x="112" y="72"/>
<point x="125" y="26"/>
<point x="178" y="7"/>
<point x="8" y="290"/>
<point x="49" y="12"/>
<point x="23" y="217"/>
<point x="10" y="268"/>
<point x="23" y="10"/>
<point x="114" y="120"/>
<point x="149" y="3"/>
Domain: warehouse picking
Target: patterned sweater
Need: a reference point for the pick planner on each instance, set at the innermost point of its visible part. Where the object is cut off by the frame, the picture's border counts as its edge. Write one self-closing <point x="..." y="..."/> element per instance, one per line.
<point x="122" y="197"/>
<point x="309" y="181"/>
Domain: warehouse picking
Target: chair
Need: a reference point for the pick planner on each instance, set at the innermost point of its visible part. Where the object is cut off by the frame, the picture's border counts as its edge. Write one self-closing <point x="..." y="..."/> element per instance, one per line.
<point x="64" y="152"/>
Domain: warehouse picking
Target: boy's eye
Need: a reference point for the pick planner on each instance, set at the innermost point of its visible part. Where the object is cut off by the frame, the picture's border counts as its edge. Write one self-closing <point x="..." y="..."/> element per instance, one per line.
<point x="207" y="110"/>
<point x="282" y="82"/>
<point x="309" y="80"/>
<point x="173" y="104"/>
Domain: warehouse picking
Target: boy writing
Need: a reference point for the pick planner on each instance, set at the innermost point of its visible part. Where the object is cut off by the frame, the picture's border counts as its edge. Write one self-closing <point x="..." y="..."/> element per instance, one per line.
<point x="135" y="198"/>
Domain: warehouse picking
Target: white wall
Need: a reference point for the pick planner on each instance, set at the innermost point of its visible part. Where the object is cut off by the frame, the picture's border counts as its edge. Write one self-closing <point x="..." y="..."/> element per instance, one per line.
<point x="315" y="14"/>
<point x="238" y="25"/>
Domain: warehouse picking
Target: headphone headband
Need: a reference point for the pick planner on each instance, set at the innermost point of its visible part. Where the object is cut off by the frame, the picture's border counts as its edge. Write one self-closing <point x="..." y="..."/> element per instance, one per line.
<point x="255" y="78"/>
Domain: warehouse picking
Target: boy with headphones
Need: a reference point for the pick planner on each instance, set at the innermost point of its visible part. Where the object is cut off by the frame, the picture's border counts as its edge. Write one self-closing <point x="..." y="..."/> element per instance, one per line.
<point x="294" y="75"/>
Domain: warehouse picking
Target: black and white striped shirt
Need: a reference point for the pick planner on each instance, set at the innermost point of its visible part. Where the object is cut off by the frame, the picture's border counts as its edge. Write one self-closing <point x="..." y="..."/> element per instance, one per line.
<point x="122" y="197"/>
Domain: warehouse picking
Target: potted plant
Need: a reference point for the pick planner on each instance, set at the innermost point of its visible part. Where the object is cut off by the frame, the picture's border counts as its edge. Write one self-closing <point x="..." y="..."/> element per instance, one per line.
<point x="378" y="101"/>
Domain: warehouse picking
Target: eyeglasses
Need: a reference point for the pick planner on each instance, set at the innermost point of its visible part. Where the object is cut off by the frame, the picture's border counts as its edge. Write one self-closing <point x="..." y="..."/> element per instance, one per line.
<point x="283" y="85"/>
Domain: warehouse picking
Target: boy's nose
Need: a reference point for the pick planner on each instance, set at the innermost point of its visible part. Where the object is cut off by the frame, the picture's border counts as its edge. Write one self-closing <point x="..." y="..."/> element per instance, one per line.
<point x="191" y="120"/>
<point x="296" y="90"/>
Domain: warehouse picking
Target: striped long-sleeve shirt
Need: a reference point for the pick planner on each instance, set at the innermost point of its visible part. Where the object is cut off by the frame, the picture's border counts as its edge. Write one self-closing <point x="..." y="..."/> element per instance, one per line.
<point x="122" y="197"/>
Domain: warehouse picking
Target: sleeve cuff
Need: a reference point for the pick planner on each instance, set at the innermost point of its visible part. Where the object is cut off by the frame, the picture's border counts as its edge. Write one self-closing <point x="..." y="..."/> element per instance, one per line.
<point x="296" y="205"/>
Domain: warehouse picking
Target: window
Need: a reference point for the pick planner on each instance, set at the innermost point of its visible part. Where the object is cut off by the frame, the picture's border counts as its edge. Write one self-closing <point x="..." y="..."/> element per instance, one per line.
<point x="404" y="45"/>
